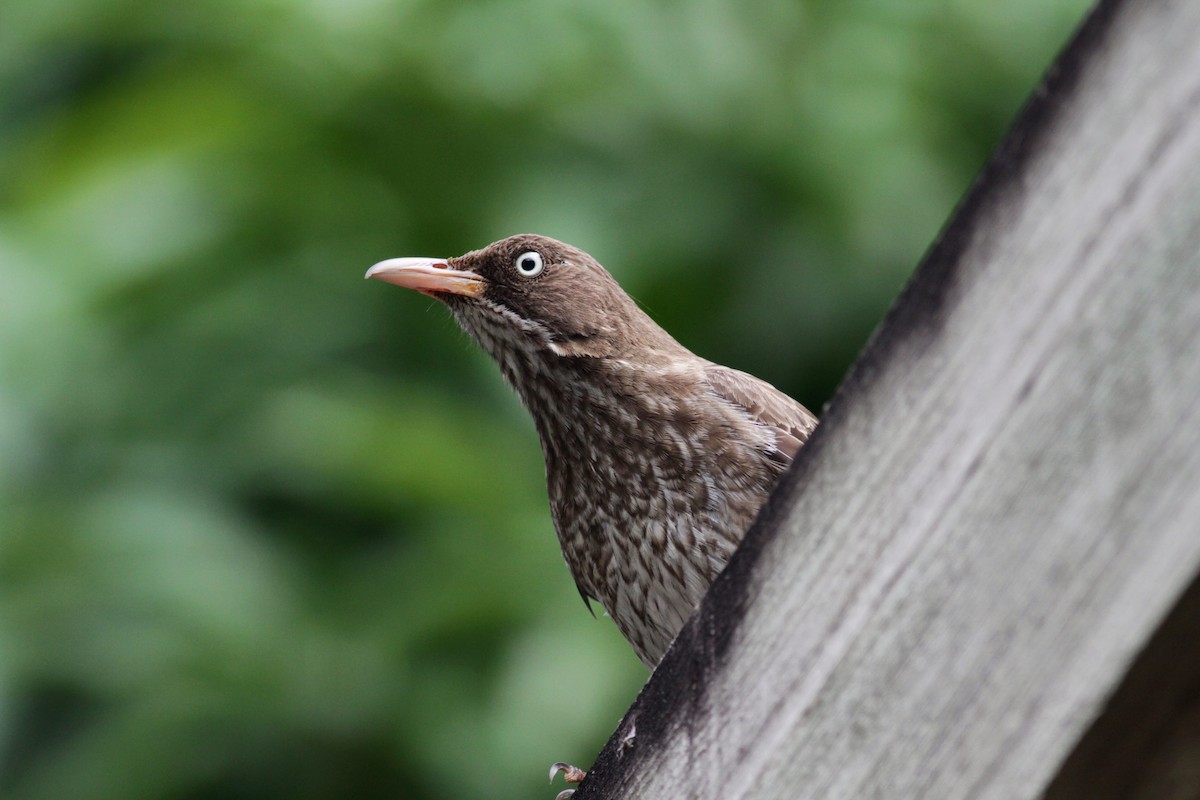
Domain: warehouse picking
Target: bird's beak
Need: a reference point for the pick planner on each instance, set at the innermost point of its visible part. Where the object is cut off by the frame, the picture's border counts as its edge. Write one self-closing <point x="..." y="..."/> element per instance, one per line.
<point x="428" y="276"/>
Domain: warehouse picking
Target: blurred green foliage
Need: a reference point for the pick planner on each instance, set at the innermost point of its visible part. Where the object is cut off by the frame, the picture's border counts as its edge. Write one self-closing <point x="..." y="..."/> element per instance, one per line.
<point x="267" y="530"/>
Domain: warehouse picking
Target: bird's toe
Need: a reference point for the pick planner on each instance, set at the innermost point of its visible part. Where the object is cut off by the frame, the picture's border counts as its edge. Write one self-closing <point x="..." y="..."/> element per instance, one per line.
<point x="571" y="773"/>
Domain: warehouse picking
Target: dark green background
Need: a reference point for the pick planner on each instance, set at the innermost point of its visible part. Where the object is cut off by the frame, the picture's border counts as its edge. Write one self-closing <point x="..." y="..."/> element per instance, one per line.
<point x="271" y="531"/>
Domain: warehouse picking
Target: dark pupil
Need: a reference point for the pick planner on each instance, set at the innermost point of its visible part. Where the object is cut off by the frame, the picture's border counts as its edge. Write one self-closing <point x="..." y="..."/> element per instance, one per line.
<point x="528" y="264"/>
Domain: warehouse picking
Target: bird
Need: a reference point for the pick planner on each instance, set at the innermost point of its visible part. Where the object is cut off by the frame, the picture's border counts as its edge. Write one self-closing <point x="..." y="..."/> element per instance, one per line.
<point x="657" y="460"/>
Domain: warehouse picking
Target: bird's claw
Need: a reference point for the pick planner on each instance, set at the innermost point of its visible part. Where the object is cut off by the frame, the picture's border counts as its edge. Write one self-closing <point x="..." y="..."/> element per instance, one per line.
<point x="571" y="774"/>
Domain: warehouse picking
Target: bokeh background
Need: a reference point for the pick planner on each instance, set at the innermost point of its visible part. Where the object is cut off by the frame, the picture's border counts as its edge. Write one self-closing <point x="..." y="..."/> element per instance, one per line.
<point x="271" y="531"/>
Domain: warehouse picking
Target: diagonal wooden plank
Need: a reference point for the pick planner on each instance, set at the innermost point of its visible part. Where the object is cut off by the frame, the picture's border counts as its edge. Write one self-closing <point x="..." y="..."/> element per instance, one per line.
<point x="1002" y="504"/>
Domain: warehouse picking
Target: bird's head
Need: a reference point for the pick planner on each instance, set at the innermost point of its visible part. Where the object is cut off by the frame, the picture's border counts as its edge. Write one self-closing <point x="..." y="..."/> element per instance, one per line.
<point x="530" y="291"/>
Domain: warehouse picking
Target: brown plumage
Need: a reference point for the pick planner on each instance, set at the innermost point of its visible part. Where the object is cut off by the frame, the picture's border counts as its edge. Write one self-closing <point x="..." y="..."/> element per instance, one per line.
<point x="657" y="461"/>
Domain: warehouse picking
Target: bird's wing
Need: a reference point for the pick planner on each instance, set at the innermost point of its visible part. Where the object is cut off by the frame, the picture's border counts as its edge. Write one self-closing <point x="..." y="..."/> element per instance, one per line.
<point x="791" y="422"/>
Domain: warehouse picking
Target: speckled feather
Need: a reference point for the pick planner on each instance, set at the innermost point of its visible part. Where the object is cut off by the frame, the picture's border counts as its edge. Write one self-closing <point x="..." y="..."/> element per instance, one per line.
<point x="657" y="461"/>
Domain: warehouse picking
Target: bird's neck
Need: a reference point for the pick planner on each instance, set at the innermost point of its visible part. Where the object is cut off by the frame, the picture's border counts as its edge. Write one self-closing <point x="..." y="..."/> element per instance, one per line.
<point x="586" y="388"/>
<point x="555" y="382"/>
<point x="584" y="407"/>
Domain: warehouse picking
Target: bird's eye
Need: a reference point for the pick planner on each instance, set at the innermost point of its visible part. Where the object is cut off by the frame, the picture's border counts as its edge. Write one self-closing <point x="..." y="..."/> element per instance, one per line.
<point x="530" y="264"/>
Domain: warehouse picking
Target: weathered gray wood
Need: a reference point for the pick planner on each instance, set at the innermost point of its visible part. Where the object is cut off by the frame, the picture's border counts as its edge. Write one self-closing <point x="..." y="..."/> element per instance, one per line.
<point x="1001" y="506"/>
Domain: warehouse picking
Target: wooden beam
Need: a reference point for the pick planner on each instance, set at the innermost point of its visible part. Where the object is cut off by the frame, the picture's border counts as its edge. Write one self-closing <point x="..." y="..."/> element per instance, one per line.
<point x="1002" y="504"/>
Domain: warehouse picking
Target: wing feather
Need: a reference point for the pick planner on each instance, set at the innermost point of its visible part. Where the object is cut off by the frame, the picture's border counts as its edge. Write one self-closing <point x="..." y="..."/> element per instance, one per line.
<point x="791" y="422"/>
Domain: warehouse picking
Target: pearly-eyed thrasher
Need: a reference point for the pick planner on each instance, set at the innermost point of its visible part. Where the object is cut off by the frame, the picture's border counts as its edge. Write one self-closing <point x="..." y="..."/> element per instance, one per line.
<point x="657" y="461"/>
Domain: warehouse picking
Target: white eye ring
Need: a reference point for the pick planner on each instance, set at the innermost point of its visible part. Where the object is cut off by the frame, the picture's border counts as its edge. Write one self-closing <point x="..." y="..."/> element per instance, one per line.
<point x="530" y="263"/>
